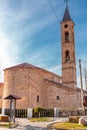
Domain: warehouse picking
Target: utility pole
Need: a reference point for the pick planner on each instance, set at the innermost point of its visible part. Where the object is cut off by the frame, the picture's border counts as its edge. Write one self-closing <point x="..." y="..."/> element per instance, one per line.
<point x="80" y="67"/>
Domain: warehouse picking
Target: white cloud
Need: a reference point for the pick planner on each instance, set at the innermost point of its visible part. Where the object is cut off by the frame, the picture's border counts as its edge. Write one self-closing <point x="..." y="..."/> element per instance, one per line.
<point x="9" y="47"/>
<point x="8" y="51"/>
<point x="19" y="25"/>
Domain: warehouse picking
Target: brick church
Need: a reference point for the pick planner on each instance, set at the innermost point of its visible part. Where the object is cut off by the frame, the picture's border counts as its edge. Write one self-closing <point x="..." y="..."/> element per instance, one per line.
<point x="40" y="88"/>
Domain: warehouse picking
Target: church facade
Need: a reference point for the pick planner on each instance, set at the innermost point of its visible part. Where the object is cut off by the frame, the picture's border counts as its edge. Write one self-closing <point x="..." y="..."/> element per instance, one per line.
<point x="40" y="88"/>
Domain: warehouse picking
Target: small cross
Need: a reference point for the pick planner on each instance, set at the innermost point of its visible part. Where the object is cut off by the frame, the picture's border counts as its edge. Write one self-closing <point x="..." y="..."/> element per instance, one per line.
<point x="66" y="2"/>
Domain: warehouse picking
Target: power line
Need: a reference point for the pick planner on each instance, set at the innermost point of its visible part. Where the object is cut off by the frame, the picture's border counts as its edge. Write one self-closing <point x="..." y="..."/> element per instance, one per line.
<point x="51" y="6"/>
<point x="81" y="83"/>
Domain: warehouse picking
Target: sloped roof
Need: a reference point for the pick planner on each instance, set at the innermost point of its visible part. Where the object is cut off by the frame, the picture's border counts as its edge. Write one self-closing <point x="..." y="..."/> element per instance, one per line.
<point x="65" y="87"/>
<point x="27" y="65"/>
<point x="60" y="85"/>
<point x="66" y="15"/>
<point x="12" y="97"/>
<point x="23" y="65"/>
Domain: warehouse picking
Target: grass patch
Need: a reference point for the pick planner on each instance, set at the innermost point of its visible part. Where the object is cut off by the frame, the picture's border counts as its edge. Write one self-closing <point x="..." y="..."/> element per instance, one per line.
<point x="68" y="125"/>
<point x="6" y="125"/>
<point x="41" y="119"/>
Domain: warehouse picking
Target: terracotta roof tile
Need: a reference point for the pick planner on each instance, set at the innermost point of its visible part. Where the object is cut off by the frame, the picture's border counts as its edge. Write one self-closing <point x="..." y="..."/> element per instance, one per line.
<point x="23" y="65"/>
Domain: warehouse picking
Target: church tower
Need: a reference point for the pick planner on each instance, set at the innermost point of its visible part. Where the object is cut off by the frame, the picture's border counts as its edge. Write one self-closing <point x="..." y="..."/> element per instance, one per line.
<point x="68" y="50"/>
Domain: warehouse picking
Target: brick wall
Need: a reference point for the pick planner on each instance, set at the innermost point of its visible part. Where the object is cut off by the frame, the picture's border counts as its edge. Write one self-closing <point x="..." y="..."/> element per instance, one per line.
<point x="28" y="83"/>
<point x="68" y="98"/>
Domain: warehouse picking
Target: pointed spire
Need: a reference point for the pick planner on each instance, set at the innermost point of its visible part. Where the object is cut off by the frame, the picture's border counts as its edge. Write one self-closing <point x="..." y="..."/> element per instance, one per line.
<point x="66" y="14"/>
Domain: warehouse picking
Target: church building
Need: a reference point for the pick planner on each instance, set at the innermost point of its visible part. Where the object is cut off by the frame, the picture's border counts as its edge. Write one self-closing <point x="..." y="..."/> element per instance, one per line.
<point x="40" y="88"/>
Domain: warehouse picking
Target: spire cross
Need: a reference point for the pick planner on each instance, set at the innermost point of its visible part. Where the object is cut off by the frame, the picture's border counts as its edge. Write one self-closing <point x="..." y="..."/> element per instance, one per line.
<point x="66" y="2"/>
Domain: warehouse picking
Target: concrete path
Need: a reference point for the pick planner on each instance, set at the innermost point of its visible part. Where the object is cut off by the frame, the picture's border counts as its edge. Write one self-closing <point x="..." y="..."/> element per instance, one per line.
<point x="24" y="124"/>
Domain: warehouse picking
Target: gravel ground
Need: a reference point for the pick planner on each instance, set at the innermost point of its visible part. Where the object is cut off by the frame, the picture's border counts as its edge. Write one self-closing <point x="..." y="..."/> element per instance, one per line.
<point x="24" y="124"/>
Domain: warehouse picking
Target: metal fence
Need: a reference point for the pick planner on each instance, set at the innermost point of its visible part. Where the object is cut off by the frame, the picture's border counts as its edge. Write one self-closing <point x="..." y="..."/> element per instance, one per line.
<point x="22" y="113"/>
<point x="19" y="113"/>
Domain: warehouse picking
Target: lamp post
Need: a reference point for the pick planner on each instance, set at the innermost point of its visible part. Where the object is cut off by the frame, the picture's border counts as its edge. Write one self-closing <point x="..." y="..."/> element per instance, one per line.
<point x="12" y="99"/>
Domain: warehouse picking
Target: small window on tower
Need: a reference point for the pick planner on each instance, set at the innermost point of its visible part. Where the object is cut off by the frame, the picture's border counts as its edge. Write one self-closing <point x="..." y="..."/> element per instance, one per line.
<point x="57" y="97"/>
<point x="66" y="37"/>
<point x="67" y="56"/>
<point x="37" y="98"/>
<point x="73" y="56"/>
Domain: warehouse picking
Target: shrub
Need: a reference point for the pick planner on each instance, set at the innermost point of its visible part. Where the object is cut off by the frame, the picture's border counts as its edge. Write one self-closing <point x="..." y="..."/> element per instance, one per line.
<point x="37" y="111"/>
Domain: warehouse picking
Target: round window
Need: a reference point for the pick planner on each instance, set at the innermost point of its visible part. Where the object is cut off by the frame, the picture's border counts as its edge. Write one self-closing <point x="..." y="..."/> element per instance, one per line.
<point x="66" y="26"/>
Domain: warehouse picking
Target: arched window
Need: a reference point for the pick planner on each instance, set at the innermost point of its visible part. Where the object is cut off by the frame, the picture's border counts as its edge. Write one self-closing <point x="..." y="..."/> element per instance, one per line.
<point x="67" y="56"/>
<point x="57" y="97"/>
<point x="37" y="98"/>
<point x="66" y="37"/>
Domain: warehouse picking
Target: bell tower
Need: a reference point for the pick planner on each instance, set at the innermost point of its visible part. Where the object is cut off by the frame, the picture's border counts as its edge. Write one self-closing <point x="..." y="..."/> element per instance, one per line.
<point x="68" y="50"/>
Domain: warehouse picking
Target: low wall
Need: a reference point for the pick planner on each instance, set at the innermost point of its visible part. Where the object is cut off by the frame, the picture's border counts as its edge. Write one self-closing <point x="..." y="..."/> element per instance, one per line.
<point x="67" y="113"/>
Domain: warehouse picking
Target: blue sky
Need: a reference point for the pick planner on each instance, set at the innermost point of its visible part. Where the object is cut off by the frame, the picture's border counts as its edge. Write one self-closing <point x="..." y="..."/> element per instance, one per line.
<point x="30" y="32"/>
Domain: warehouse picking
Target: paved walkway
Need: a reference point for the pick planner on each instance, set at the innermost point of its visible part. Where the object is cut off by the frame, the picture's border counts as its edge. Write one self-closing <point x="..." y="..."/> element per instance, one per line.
<point x="24" y="124"/>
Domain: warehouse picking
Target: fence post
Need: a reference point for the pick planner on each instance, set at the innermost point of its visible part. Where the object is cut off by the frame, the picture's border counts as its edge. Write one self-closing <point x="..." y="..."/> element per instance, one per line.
<point x="29" y="112"/>
<point x="56" y="112"/>
<point x="3" y="111"/>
